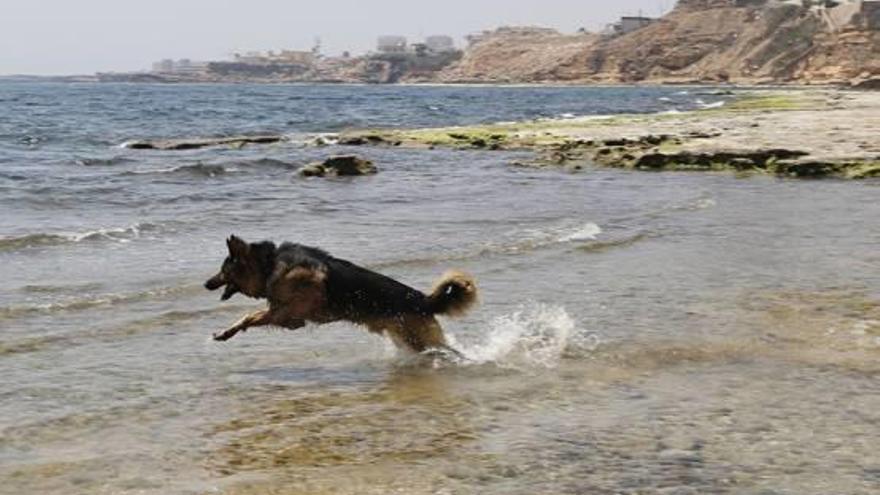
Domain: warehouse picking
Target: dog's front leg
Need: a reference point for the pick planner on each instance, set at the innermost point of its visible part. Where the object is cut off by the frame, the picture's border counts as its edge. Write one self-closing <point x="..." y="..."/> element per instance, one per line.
<point x="258" y="318"/>
<point x="293" y="323"/>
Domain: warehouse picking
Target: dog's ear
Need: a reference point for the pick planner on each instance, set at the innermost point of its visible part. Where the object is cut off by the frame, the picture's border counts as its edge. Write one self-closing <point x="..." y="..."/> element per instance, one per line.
<point x="237" y="246"/>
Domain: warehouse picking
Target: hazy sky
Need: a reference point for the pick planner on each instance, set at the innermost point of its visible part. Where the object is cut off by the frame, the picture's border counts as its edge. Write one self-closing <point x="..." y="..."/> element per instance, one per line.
<point x="85" y="36"/>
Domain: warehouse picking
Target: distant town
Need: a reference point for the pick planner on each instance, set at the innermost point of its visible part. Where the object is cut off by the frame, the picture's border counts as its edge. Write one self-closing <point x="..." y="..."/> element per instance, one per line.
<point x="392" y="56"/>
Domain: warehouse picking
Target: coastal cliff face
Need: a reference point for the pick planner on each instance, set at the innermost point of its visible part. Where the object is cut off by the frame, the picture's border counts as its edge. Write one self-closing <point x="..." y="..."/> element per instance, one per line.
<point x="747" y="41"/>
<point x="852" y="56"/>
<point x="525" y="54"/>
<point x="708" y="42"/>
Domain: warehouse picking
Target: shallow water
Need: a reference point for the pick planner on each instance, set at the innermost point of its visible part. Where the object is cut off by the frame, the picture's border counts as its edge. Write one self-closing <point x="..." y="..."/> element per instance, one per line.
<point x="638" y="333"/>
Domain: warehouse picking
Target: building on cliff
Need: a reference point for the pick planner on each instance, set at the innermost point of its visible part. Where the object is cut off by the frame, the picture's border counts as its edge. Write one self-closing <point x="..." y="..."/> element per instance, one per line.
<point x="440" y="43"/>
<point x="301" y="57"/>
<point x="165" y="65"/>
<point x="625" y="25"/>
<point x="632" y="23"/>
<point x="182" y="66"/>
<point x="391" y="44"/>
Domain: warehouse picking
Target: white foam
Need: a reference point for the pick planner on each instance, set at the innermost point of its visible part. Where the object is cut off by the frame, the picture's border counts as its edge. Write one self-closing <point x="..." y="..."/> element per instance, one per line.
<point x="534" y="336"/>
<point x="704" y="203"/>
<point x="121" y="234"/>
<point x="587" y="232"/>
<point x="707" y="106"/>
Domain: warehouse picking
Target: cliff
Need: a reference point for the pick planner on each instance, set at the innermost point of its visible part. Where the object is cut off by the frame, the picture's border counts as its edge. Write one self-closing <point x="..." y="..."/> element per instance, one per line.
<point x="522" y="55"/>
<point x="746" y="41"/>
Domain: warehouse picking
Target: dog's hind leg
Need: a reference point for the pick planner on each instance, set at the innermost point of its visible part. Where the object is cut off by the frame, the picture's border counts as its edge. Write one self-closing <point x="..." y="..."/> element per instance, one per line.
<point x="421" y="333"/>
<point x="428" y="338"/>
<point x="255" y="319"/>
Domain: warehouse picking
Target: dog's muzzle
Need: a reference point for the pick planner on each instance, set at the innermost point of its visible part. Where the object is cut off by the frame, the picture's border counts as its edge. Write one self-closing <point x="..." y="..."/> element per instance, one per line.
<point x="218" y="281"/>
<point x="215" y="282"/>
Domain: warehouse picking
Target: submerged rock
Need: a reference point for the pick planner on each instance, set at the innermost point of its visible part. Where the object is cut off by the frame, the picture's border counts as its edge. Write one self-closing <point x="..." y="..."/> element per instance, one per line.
<point x="367" y="139"/>
<point x="807" y="168"/>
<point x="196" y="143"/>
<point x="869" y="84"/>
<point x="738" y="160"/>
<point x="339" y="166"/>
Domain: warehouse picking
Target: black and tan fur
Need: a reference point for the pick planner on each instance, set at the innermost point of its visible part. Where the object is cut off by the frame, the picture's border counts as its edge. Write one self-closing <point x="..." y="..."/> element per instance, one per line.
<point x="305" y="284"/>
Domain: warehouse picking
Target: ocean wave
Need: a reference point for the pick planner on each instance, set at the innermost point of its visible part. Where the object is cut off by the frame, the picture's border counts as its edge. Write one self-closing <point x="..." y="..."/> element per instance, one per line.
<point x="211" y="170"/>
<point x="527" y="240"/>
<point x="31" y="140"/>
<point x="103" y="162"/>
<point x="706" y="106"/>
<point x="31" y="344"/>
<point x="517" y="242"/>
<point x="606" y="244"/>
<point x="16" y="177"/>
<point x="586" y="237"/>
<point x="121" y="234"/>
<point x="113" y="333"/>
<point x="193" y="170"/>
<point x="95" y="301"/>
<point x="60" y="289"/>
<point x="267" y="162"/>
<point x="587" y="232"/>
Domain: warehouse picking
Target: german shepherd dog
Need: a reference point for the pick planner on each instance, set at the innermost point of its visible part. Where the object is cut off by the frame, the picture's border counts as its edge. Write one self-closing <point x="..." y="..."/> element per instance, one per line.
<point x="305" y="284"/>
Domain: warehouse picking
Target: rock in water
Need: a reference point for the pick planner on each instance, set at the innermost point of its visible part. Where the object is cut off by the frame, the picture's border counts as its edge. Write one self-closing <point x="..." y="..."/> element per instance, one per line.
<point x="197" y="143"/>
<point x="339" y="166"/>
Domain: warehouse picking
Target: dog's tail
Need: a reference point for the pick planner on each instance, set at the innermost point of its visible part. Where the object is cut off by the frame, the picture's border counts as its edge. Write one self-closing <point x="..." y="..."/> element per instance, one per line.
<point x="453" y="294"/>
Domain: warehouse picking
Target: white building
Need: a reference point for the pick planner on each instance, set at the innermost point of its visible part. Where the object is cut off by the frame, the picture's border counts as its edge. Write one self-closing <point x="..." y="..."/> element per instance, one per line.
<point x="182" y="66"/>
<point x="630" y="24"/>
<point x="391" y="44"/>
<point x="440" y="43"/>
<point x="165" y="65"/>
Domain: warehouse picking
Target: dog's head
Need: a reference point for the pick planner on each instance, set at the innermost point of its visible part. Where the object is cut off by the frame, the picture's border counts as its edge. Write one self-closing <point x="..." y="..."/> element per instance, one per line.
<point x="243" y="270"/>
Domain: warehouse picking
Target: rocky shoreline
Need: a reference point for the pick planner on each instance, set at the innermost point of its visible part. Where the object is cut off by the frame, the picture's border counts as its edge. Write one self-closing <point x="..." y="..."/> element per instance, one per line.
<point x="800" y="133"/>
<point x="790" y="133"/>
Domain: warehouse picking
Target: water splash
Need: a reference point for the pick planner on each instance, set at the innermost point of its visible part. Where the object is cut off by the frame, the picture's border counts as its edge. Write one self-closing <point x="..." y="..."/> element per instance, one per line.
<point x="533" y="336"/>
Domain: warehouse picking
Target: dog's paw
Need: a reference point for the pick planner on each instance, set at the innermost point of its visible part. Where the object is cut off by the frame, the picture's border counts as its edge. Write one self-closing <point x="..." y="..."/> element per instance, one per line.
<point x="224" y="335"/>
